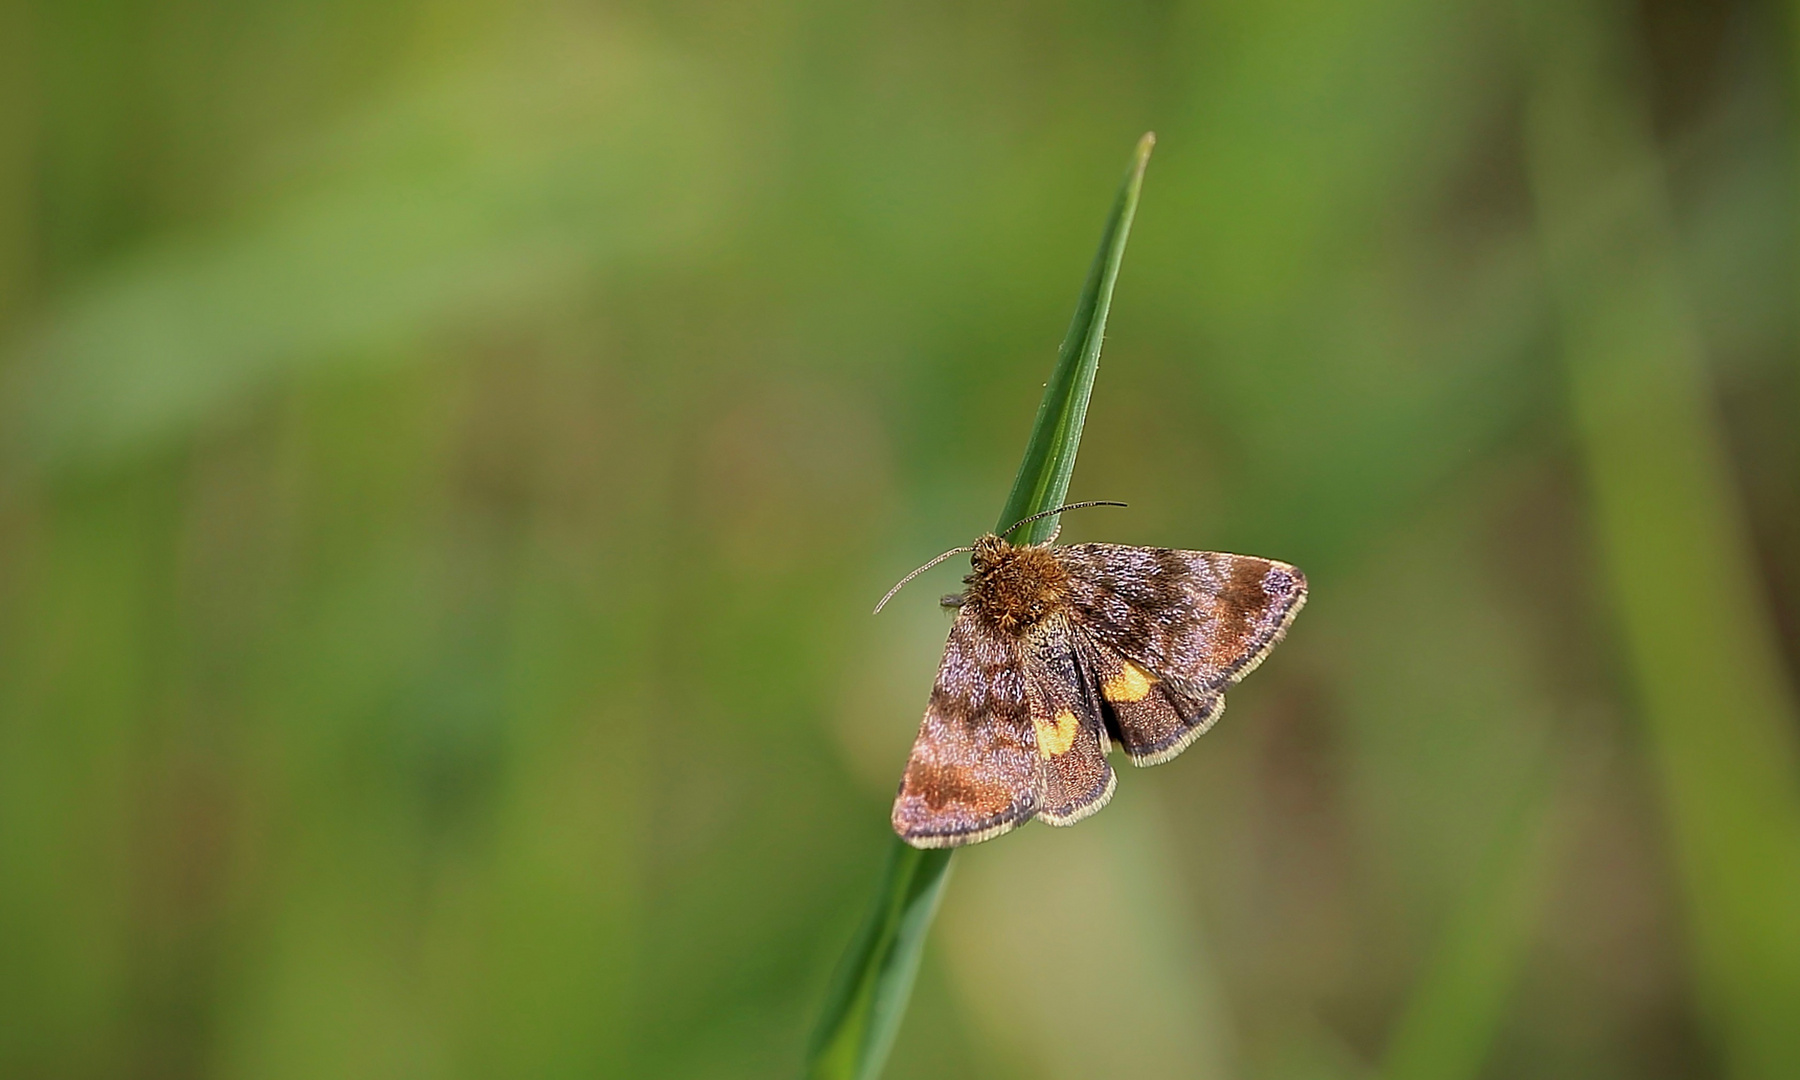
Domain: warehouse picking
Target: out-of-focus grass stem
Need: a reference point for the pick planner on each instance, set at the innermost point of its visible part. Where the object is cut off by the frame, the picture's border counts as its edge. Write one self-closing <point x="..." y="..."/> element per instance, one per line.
<point x="869" y="992"/>
<point x="1669" y="530"/>
<point x="1457" y="1008"/>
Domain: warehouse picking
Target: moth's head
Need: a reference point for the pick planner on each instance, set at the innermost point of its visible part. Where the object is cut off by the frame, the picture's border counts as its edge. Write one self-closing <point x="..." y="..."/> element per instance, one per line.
<point x="990" y="551"/>
<point x="1013" y="588"/>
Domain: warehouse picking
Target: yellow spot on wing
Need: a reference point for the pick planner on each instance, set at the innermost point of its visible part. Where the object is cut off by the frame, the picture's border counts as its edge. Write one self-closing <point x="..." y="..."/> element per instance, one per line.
<point x="1056" y="736"/>
<point x="1130" y="684"/>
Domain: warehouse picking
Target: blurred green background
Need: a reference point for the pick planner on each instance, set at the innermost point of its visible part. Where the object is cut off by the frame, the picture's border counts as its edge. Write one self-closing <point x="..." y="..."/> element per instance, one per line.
<point x="449" y="449"/>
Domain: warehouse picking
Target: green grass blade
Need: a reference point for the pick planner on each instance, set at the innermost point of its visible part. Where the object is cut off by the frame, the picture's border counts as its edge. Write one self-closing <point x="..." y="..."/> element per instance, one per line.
<point x="874" y="979"/>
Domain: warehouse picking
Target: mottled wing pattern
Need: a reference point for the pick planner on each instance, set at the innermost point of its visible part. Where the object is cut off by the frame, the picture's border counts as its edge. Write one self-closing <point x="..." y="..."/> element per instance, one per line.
<point x="974" y="771"/>
<point x="1171" y="630"/>
<point x="1070" y="730"/>
<point x="1154" y="718"/>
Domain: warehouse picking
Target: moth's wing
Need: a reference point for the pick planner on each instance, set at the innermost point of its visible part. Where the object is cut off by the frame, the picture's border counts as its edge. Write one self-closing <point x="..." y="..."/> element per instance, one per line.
<point x="975" y="770"/>
<point x="1069" y="728"/>
<point x="1154" y="718"/>
<point x="1169" y="631"/>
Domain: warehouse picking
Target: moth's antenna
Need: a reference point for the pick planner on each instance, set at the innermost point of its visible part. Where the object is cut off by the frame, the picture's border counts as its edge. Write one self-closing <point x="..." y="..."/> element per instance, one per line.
<point x="1072" y="506"/>
<point x="916" y="573"/>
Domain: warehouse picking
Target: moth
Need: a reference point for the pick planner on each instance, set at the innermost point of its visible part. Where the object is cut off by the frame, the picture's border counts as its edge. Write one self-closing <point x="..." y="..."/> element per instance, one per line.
<point x="1058" y="652"/>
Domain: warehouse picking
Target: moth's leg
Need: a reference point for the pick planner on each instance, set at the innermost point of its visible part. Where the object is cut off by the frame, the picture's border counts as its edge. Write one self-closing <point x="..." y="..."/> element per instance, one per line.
<point x="953" y="600"/>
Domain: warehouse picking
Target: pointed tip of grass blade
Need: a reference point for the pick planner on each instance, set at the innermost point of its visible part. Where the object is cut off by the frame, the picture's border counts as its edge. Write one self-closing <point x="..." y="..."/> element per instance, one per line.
<point x="1043" y="479"/>
<point x="1140" y="159"/>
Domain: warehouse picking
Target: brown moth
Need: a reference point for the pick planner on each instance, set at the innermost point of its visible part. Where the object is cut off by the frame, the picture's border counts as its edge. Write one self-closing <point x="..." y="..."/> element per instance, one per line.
<point x="1058" y="651"/>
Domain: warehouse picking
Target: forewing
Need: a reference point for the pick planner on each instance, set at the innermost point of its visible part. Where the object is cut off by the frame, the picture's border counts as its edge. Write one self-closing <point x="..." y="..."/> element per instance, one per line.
<point x="1171" y="630"/>
<point x="975" y="770"/>
<point x="1069" y="728"/>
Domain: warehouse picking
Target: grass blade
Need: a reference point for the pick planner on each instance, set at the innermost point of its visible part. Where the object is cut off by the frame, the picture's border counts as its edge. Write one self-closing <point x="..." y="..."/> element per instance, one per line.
<point x="874" y="979"/>
<point x="873" y="983"/>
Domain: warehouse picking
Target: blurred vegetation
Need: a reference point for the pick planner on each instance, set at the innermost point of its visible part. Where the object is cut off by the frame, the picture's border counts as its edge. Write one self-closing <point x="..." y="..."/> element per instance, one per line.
<point x="448" y="451"/>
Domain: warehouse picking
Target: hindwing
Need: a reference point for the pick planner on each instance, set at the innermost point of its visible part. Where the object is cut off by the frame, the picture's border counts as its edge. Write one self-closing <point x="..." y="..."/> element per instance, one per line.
<point x="1068" y="724"/>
